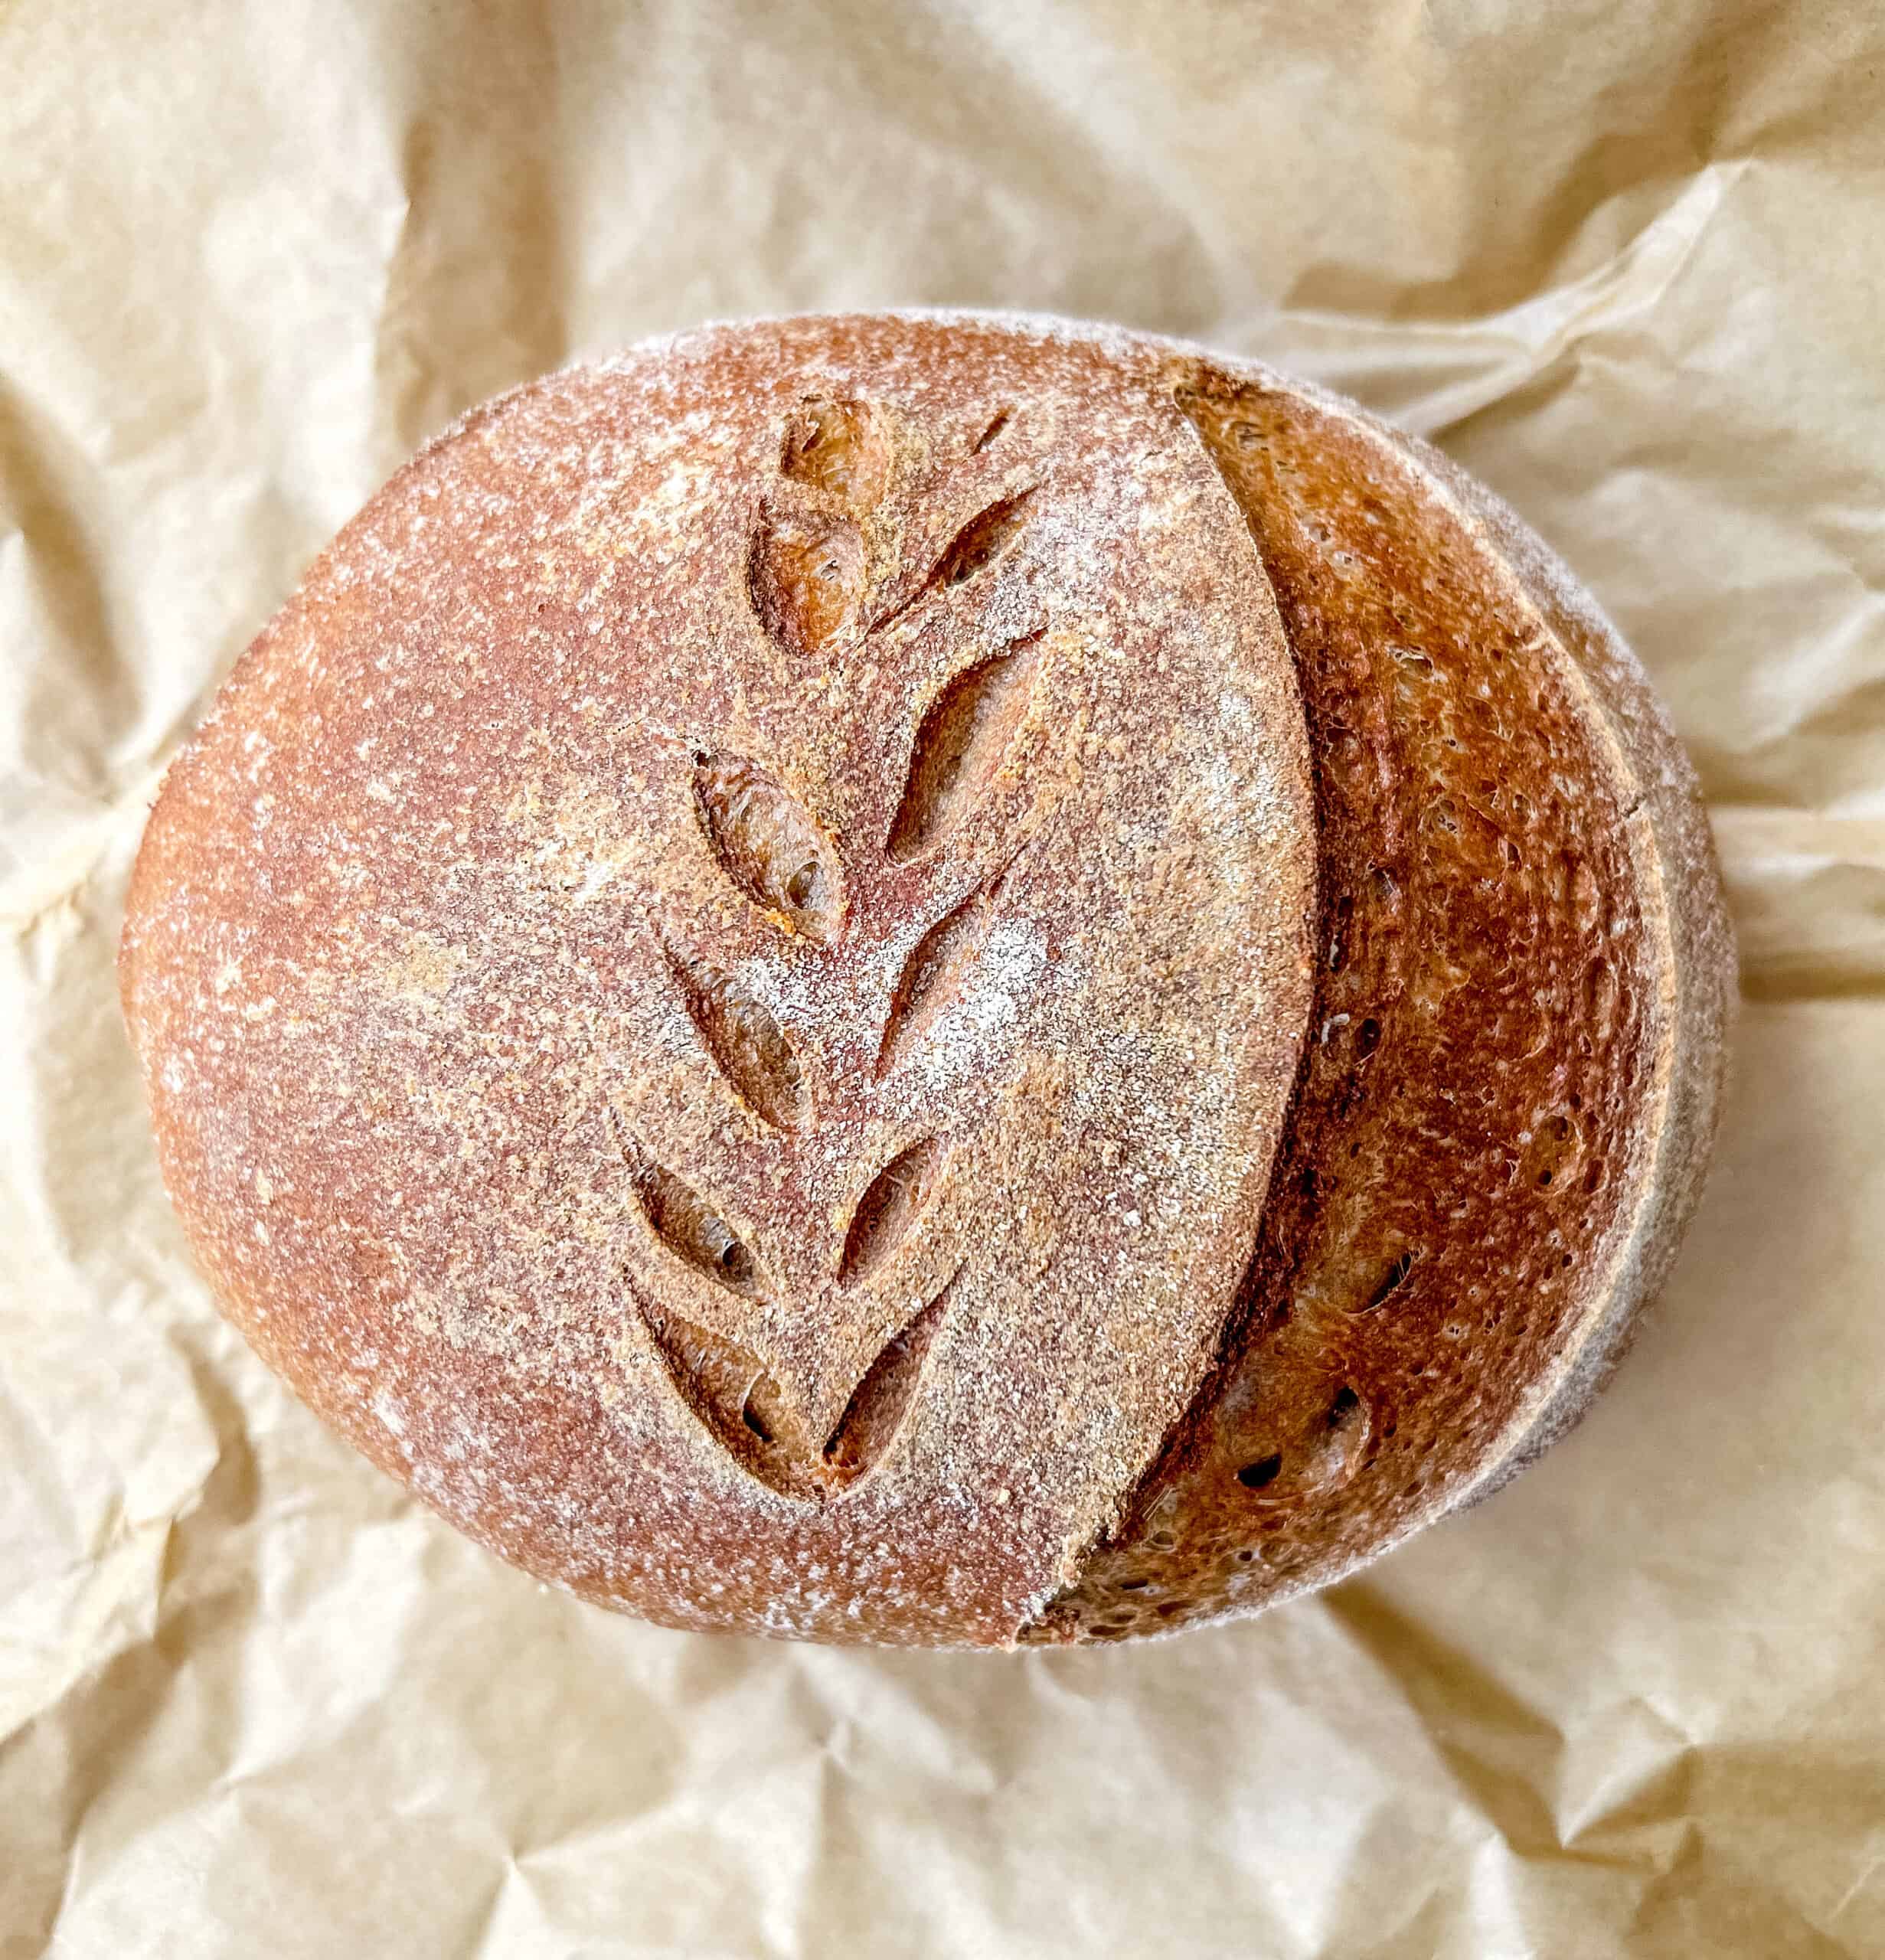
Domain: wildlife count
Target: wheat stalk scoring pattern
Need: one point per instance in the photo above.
(808, 582)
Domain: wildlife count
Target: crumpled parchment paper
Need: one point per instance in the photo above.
(1623, 261)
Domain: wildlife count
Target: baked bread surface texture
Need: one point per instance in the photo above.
(937, 980)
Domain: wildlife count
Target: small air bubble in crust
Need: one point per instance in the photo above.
(1264, 1472)
(1389, 1282)
(1555, 1152)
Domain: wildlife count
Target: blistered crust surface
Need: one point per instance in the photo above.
(719, 989)
(1492, 1145)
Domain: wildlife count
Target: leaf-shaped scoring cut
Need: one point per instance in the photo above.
(891, 1205)
(882, 1401)
(693, 1230)
(984, 538)
(933, 974)
(767, 844)
(748, 1046)
(806, 578)
(834, 447)
(737, 1401)
(959, 746)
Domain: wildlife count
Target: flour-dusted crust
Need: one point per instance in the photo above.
(939, 980)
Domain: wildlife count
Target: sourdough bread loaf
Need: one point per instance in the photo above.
(936, 980)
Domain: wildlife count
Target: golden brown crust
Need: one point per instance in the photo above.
(722, 987)
(1500, 800)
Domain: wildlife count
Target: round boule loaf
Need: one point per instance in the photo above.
(945, 980)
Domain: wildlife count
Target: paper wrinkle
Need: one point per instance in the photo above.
(1510, 351)
(1840, 690)
(62, 851)
(252, 1698)
(1809, 895)
(1515, 1748)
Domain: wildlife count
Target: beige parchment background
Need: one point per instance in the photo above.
(1621, 258)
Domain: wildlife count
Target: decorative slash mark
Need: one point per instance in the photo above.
(767, 844)
(959, 746)
(981, 540)
(986, 537)
(833, 446)
(882, 1400)
(734, 1397)
(889, 1208)
(806, 580)
(935, 972)
(742, 1405)
(693, 1231)
(747, 1045)
(817, 569)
